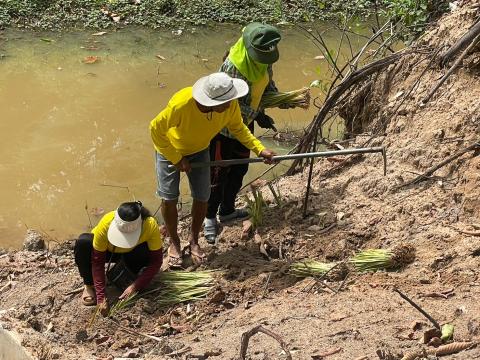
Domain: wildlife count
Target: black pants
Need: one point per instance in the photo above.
(226, 181)
(135, 259)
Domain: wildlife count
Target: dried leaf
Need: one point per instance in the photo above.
(91, 59)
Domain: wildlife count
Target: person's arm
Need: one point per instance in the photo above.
(158, 131)
(155, 260)
(155, 254)
(98, 272)
(241, 131)
(99, 254)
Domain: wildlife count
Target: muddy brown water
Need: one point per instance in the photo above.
(75, 136)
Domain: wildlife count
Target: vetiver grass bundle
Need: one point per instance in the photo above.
(181, 286)
(299, 98)
(380, 259)
(336, 271)
(310, 268)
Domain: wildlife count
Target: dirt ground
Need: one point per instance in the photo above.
(352, 206)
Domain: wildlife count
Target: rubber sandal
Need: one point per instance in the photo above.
(88, 299)
(196, 258)
(210, 228)
(175, 262)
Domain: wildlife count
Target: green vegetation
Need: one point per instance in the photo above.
(98, 14)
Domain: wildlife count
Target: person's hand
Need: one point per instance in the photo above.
(183, 165)
(129, 291)
(287, 106)
(104, 308)
(268, 155)
(265, 121)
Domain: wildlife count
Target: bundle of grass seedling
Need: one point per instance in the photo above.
(381, 259)
(310, 268)
(182, 286)
(313, 268)
(297, 98)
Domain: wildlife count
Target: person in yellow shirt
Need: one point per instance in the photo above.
(129, 234)
(181, 134)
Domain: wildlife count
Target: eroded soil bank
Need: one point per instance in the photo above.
(353, 207)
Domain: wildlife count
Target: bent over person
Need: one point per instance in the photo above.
(181, 134)
(129, 235)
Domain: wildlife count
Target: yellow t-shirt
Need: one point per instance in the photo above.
(182, 129)
(150, 234)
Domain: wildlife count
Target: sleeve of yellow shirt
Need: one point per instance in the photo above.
(154, 241)
(100, 232)
(241, 131)
(158, 131)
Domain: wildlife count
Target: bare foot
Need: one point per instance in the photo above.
(198, 255)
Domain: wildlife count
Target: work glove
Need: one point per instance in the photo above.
(265, 121)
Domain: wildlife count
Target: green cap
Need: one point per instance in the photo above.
(261, 42)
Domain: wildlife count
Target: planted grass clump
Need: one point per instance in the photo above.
(380, 259)
(294, 98)
(255, 207)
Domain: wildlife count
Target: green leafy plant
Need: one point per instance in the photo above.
(255, 207)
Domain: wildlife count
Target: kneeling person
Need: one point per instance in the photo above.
(129, 234)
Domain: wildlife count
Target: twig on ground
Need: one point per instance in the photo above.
(423, 312)
(74, 291)
(432, 169)
(340, 288)
(133, 332)
(259, 328)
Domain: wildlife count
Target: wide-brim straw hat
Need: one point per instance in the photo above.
(218, 88)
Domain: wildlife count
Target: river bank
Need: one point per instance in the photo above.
(353, 206)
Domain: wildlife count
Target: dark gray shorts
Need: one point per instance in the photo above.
(168, 181)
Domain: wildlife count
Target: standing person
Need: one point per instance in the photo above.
(129, 234)
(250, 59)
(181, 134)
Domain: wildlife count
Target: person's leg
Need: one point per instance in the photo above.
(83, 258)
(216, 187)
(168, 182)
(170, 217)
(234, 182)
(220, 149)
(138, 258)
(199, 179)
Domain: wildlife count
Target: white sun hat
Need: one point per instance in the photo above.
(124, 234)
(218, 88)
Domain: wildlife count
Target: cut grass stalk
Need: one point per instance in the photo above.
(297, 98)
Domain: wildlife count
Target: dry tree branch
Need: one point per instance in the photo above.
(259, 328)
(427, 174)
(461, 43)
(454, 67)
